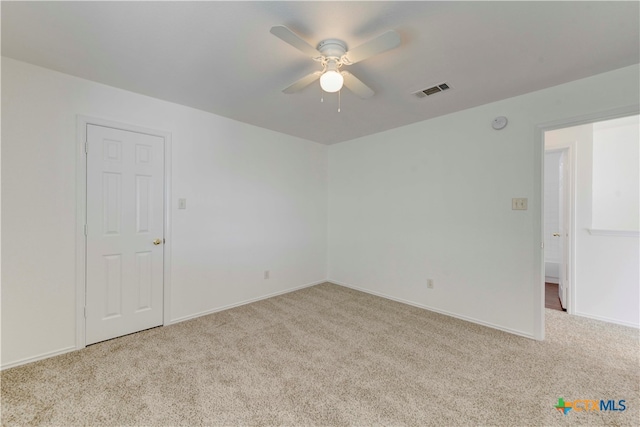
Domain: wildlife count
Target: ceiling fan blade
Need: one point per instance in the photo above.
(303, 82)
(356, 86)
(383, 42)
(288, 36)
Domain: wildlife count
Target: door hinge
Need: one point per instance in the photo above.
(86, 147)
(85, 312)
(85, 230)
(542, 245)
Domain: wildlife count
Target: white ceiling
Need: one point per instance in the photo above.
(220, 57)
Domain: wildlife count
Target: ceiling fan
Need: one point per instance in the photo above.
(332, 54)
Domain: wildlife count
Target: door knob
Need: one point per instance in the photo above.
(157, 241)
(554, 235)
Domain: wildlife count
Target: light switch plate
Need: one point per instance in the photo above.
(182, 203)
(519, 204)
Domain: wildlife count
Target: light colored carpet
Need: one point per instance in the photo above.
(328, 355)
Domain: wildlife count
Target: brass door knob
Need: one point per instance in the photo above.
(157, 241)
(556, 234)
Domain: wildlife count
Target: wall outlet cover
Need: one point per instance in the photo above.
(519, 204)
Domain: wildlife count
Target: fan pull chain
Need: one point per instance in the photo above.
(321, 94)
(339, 100)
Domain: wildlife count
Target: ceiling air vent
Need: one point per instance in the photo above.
(433, 90)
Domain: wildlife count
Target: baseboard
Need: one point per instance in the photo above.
(39, 357)
(607, 319)
(238, 304)
(554, 280)
(435, 310)
(178, 320)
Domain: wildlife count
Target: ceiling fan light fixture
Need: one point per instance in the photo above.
(331, 81)
(333, 54)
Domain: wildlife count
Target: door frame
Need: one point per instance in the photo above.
(570, 148)
(538, 201)
(82, 122)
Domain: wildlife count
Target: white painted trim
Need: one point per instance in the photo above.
(435, 310)
(538, 220)
(238, 304)
(81, 215)
(552, 280)
(615, 113)
(38, 357)
(81, 220)
(166, 323)
(608, 320)
(168, 241)
(538, 235)
(572, 152)
(615, 233)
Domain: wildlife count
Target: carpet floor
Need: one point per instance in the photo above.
(328, 355)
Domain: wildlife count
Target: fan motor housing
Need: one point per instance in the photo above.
(332, 48)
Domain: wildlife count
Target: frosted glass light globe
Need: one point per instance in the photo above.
(331, 81)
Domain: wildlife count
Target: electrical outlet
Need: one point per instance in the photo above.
(266, 274)
(519, 204)
(430, 283)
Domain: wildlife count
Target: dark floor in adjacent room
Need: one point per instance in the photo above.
(551, 298)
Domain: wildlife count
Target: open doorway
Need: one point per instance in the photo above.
(557, 226)
(591, 218)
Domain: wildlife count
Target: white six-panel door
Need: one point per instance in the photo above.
(125, 217)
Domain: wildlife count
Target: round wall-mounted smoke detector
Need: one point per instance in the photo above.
(499, 123)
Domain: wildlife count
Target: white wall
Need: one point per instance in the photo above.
(607, 267)
(433, 200)
(616, 175)
(256, 200)
(429, 200)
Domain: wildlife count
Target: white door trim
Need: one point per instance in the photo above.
(538, 200)
(81, 201)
